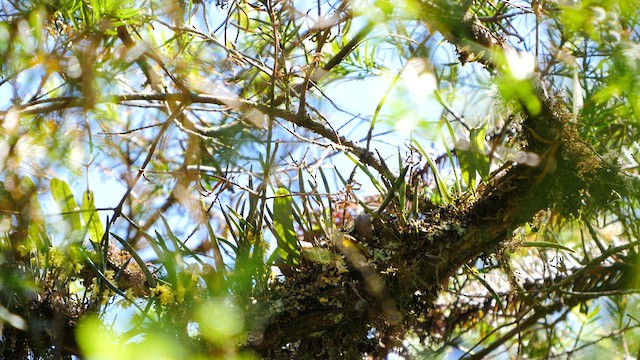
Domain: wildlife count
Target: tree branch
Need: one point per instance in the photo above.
(569, 175)
(245, 106)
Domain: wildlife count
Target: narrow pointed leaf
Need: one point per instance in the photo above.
(91, 217)
(66, 203)
(473, 160)
(283, 225)
(484, 283)
(36, 230)
(442, 187)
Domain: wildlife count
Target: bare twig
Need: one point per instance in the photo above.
(118, 209)
(303, 120)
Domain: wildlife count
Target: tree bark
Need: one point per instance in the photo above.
(569, 176)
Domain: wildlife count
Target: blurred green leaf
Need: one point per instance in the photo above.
(221, 322)
(472, 157)
(521, 92)
(37, 231)
(369, 174)
(318, 255)
(91, 217)
(166, 258)
(284, 230)
(444, 193)
(63, 196)
(97, 342)
(494, 294)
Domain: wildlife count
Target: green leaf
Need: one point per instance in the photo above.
(102, 277)
(442, 187)
(97, 342)
(166, 259)
(520, 91)
(494, 294)
(35, 211)
(179, 246)
(36, 230)
(369, 174)
(283, 226)
(318, 255)
(66, 203)
(472, 157)
(91, 217)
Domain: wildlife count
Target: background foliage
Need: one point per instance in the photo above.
(350, 178)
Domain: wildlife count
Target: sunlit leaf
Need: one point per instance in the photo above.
(484, 283)
(97, 342)
(37, 231)
(318, 255)
(91, 217)
(221, 322)
(443, 191)
(284, 230)
(67, 204)
(472, 157)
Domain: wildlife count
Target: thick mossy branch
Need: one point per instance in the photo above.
(411, 262)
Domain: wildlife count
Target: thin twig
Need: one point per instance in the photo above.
(303, 120)
(118, 209)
